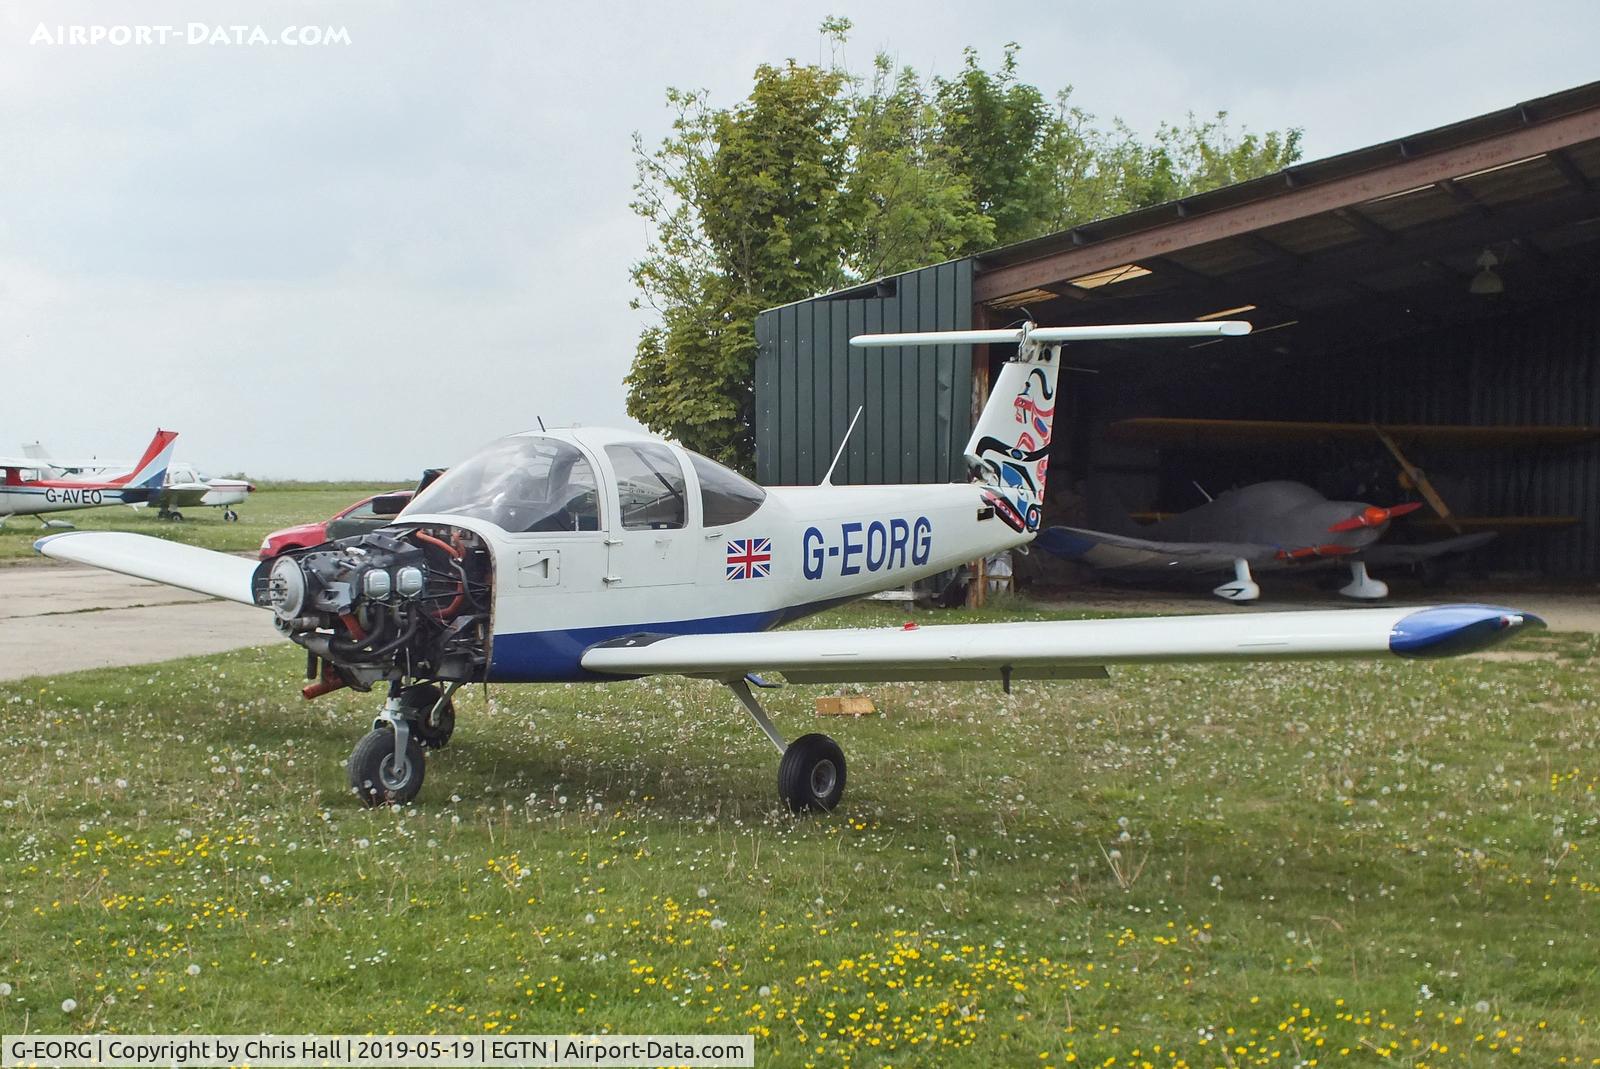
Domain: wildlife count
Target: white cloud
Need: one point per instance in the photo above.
(361, 259)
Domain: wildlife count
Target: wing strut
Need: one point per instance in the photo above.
(741, 689)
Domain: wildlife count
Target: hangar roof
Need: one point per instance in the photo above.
(1397, 228)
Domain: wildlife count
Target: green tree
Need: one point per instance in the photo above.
(909, 199)
(994, 126)
(745, 210)
(821, 178)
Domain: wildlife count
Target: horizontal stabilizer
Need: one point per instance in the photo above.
(1057, 335)
(205, 571)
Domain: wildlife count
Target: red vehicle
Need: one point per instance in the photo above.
(357, 519)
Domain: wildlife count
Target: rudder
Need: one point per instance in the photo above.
(1010, 445)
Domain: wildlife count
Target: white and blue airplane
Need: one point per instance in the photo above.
(593, 555)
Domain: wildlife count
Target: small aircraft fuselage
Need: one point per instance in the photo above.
(590, 535)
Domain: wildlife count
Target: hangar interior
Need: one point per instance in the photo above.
(1450, 279)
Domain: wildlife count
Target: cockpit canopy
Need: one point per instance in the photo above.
(537, 484)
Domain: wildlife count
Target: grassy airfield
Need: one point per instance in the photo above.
(272, 506)
(1192, 866)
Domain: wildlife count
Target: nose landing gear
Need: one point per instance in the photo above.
(386, 767)
(388, 764)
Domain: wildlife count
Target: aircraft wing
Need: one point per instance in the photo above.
(1122, 552)
(183, 495)
(205, 571)
(1058, 649)
(1387, 553)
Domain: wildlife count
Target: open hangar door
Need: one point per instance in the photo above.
(1436, 300)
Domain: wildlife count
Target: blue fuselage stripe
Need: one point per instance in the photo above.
(557, 656)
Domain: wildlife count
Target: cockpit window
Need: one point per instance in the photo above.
(650, 485)
(523, 484)
(725, 495)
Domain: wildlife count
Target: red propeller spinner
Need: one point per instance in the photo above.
(1372, 516)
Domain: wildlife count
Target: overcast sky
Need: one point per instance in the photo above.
(361, 259)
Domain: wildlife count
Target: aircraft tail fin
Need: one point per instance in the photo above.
(1010, 445)
(151, 471)
(37, 451)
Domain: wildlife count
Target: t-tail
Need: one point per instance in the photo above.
(1009, 451)
(151, 471)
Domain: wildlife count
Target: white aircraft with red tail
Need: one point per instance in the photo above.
(592, 555)
(27, 488)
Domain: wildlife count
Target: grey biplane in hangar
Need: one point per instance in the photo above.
(1262, 527)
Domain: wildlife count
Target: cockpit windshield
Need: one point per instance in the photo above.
(520, 484)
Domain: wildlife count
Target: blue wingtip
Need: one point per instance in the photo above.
(1448, 630)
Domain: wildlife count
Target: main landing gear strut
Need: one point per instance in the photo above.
(811, 773)
(387, 765)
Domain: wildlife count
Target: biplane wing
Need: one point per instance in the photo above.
(1391, 553)
(1113, 552)
(1178, 431)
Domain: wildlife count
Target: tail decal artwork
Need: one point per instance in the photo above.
(1009, 451)
(151, 471)
(1010, 446)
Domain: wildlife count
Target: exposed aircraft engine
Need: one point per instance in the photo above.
(390, 605)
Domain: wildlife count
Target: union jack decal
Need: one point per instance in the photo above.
(749, 558)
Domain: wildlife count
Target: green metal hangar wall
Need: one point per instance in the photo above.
(1364, 275)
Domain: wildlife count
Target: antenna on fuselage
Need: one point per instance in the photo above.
(827, 480)
(541, 424)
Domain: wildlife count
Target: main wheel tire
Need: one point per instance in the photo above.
(811, 774)
(175, 517)
(229, 516)
(372, 773)
(433, 734)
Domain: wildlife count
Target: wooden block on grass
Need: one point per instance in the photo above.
(846, 705)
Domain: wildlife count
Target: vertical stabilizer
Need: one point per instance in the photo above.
(1010, 446)
(38, 452)
(151, 472)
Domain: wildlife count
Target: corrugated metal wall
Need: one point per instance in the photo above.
(1528, 366)
(1540, 366)
(809, 383)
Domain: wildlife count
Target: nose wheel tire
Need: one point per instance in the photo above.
(811, 774)
(373, 772)
(230, 516)
(433, 730)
